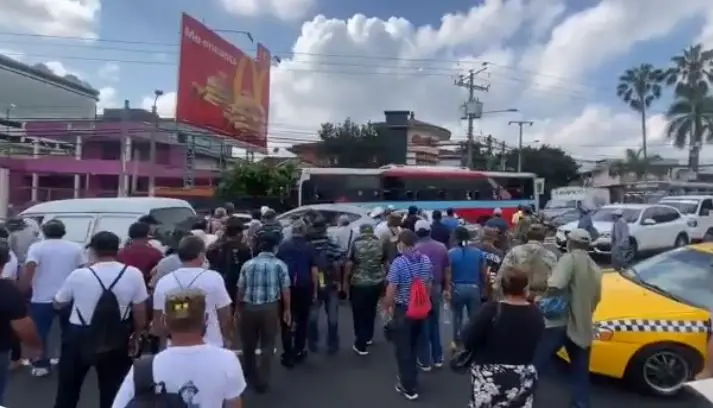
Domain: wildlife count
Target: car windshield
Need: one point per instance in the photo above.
(684, 273)
(607, 214)
(685, 207)
(561, 204)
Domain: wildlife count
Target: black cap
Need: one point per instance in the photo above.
(148, 219)
(104, 241)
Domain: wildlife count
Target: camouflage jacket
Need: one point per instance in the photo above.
(534, 257)
(368, 255)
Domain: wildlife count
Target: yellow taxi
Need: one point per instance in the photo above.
(653, 322)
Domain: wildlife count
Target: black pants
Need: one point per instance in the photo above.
(405, 334)
(111, 368)
(294, 338)
(364, 300)
(16, 348)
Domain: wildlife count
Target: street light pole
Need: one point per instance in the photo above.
(520, 124)
(152, 150)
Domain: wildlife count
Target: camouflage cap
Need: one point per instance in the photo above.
(366, 229)
(185, 305)
(538, 228)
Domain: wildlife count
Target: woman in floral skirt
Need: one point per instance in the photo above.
(501, 339)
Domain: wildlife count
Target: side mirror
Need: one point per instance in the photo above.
(648, 221)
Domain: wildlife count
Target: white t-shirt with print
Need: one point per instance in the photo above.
(9, 270)
(82, 287)
(206, 280)
(203, 375)
(55, 259)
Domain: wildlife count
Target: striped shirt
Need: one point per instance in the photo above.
(262, 279)
(405, 269)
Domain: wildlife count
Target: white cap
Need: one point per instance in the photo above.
(618, 211)
(377, 211)
(422, 225)
(264, 209)
(498, 211)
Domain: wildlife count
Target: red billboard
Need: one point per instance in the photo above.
(220, 88)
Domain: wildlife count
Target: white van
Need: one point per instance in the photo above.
(83, 217)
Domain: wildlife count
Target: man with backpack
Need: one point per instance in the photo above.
(108, 311)
(228, 255)
(190, 373)
(407, 301)
(194, 275)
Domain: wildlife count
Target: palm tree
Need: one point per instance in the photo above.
(690, 115)
(639, 87)
(634, 163)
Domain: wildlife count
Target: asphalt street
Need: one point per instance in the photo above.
(349, 381)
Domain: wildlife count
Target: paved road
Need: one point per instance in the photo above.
(349, 381)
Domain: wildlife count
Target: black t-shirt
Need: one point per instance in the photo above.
(12, 307)
(228, 257)
(505, 334)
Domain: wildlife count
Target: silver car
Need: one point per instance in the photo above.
(330, 212)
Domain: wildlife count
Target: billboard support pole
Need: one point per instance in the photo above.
(124, 157)
(154, 134)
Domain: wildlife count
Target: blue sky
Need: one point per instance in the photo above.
(556, 61)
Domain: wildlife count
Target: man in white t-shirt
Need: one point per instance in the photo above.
(191, 251)
(49, 262)
(84, 288)
(199, 374)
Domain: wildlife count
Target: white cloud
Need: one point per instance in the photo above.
(107, 99)
(282, 9)
(51, 17)
(402, 66)
(109, 72)
(59, 69)
(165, 105)
(16, 55)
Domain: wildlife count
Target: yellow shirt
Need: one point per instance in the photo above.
(516, 217)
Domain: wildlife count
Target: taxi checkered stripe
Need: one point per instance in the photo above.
(656, 325)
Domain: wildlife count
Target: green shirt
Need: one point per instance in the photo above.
(580, 277)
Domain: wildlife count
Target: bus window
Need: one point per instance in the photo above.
(328, 188)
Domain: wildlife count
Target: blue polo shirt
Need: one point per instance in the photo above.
(467, 263)
(299, 256)
(404, 270)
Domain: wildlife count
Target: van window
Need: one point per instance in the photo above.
(78, 227)
(172, 216)
(119, 225)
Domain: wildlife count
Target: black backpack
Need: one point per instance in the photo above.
(148, 394)
(107, 330)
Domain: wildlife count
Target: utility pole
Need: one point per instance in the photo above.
(152, 149)
(502, 156)
(520, 124)
(473, 107)
(123, 179)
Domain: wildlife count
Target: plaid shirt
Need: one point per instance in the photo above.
(262, 279)
(405, 269)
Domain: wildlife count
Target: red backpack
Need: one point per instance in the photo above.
(419, 304)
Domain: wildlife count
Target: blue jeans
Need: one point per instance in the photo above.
(552, 340)
(4, 372)
(463, 296)
(43, 315)
(430, 348)
(329, 299)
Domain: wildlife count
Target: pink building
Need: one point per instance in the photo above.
(51, 160)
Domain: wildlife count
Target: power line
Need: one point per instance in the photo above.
(561, 79)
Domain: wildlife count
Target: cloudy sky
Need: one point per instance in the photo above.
(556, 61)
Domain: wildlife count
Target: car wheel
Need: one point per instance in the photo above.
(634, 249)
(681, 240)
(663, 369)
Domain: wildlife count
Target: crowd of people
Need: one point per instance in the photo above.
(142, 316)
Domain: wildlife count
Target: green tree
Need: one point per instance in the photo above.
(549, 162)
(257, 179)
(691, 114)
(349, 144)
(635, 163)
(639, 87)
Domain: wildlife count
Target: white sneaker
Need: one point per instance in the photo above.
(40, 372)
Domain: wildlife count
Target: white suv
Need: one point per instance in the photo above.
(653, 227)
(698, 209)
